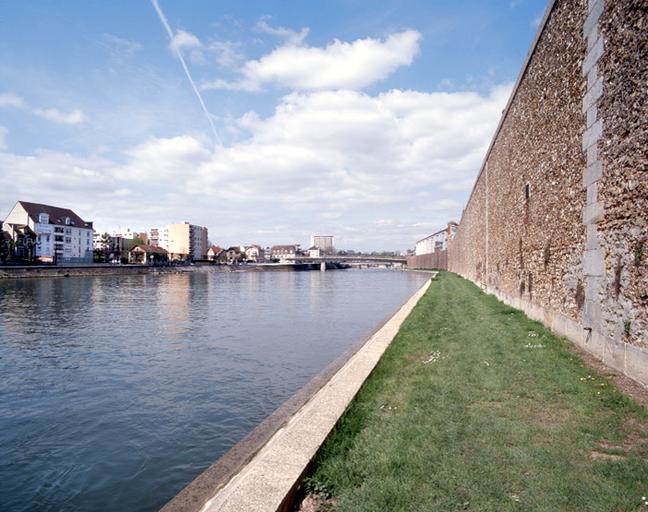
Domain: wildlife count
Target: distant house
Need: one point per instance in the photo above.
(213, 252)
(49, 234)
(146, 254)
(284, 253)
(231, 256)
(314, 252)
(254, 253)
(109, 248)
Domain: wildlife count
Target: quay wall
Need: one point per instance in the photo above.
(38, 271)
(434, 261)
(557, 221)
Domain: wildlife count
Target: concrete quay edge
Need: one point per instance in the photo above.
(263, 471)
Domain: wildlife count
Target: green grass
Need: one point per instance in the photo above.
(506, 418)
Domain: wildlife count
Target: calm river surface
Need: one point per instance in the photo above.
(115, 392)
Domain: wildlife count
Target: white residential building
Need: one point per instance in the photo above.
(436, 241)
(57, 235)
(254, 253)
(284, 253)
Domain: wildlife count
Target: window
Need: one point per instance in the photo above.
(67, 221)
(43, 218)
(68, 239)
(527, 191)
(68, 231)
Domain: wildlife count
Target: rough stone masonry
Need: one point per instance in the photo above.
(557, 222)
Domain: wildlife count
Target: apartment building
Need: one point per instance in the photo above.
(49, 234)
(186, 241)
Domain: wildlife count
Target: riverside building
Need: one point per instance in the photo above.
(49, 234)
(185, 241)
(436, 241)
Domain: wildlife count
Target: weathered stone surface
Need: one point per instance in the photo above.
(576, 131)
(535, 246)
(623, 187)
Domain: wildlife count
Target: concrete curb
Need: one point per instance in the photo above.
(263, 471)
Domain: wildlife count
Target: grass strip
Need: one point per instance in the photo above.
(476, 407)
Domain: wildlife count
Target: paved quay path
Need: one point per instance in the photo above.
(475, 407)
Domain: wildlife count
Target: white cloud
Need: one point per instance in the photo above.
(119, 46)
(10, 100)
(52, 114)
(3, 138)
(378, 171)
(291, 37)
(182, 39)
(227, 53)
(339, 65)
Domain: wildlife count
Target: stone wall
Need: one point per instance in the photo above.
(557, 221)
(433, 261)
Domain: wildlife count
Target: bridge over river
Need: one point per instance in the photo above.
(355, 260)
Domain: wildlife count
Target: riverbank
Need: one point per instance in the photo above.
(99, 269)
(476, 407)
(44, 271)
(264, 470)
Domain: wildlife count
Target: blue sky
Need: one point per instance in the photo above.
(365, 119)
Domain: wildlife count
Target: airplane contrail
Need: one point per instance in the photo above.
(169, 31)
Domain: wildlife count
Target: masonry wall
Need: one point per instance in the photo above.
(556, 223)
(432, 261)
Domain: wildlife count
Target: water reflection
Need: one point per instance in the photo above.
(117, 391)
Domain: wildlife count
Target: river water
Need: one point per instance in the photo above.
(115, 392)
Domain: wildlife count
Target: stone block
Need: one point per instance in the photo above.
(592, 174)
(592, 76)
(592, 155)
(592, 213)
(592, 288)
(590, 4)
(592, 241)
(591, 115)
(592, 134)
(591, 315)
(592, 192)
(593, 94)
(592, 37)
(636, 364)
(595, 10)
(593, 263)
(593, 55)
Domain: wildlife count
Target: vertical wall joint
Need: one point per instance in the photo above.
(593, 257)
